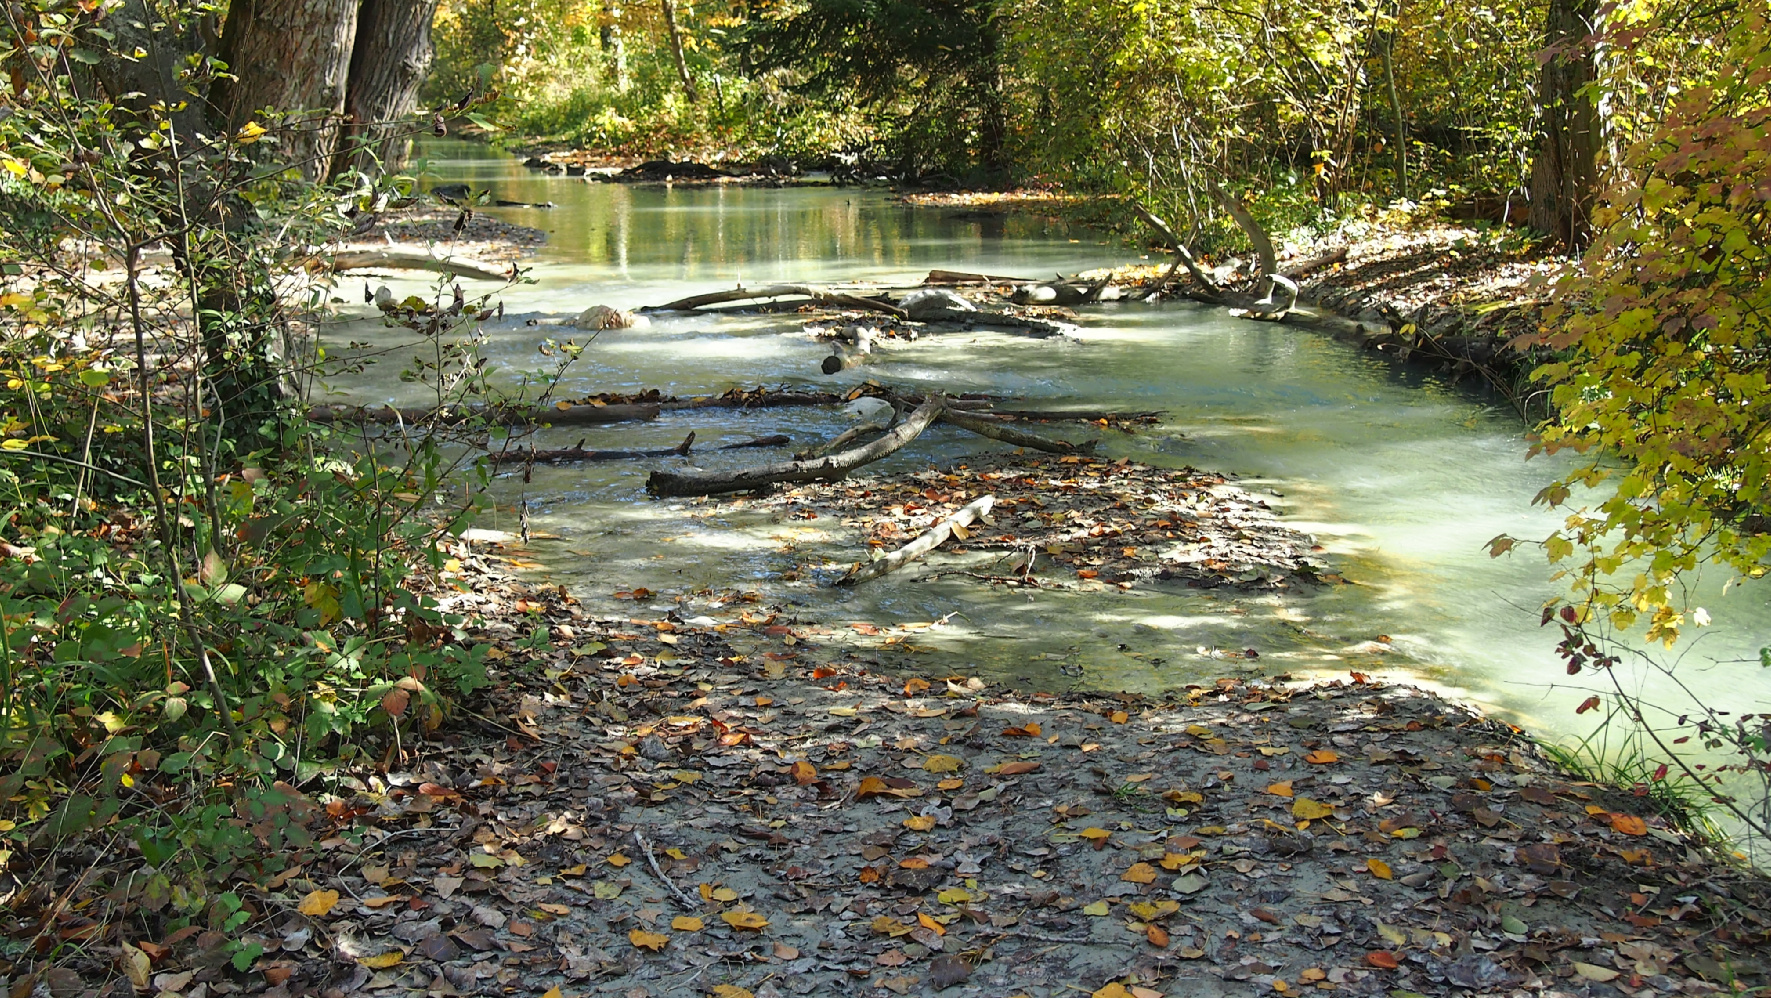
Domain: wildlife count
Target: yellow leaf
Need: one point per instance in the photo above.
(553, 992)
(1199, 731)
(942, 764)
(954, 895)
(1175, 860)
(1280, 789)
(1308, 809)
(1378, 868)
(317, 903)
(1322, 757)
(1097, 909)
(1094, 834)
(1119, 717)
(619, 861)
(385, 960)
(723, 894)
(136, 965)
(1114, 990)
(920, 823)
(745, 920)
(1140, 873)
(730, 991)
(1595, 973)
(686, 923)
(653, 941)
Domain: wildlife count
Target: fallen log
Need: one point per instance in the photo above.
(411, 259)
(571, 415)
(1075, 415)
(984, 426)
(666, 484)
(1304, 268)
(579, 453)
(818, 295)
(938, 278)
(931, 539)
(838, 442)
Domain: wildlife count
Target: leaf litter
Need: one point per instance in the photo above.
(639, 809)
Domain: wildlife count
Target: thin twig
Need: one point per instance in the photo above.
(658, 871)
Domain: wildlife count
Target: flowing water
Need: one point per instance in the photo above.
(1402, 476)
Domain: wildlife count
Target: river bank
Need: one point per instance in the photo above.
(732, 804)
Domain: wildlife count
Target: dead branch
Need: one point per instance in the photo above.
(838, 442)
(579, 453)
(933, 538)
(1183, 254)
(818, 295)
(1263, 244)
(570, 415)
(985, 426)
(668, 484)
(938, 278)
(409, 259)
(1304, 268)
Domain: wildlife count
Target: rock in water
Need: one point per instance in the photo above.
(600, 317)
(925, 304)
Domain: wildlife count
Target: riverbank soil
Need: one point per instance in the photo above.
(657, 807)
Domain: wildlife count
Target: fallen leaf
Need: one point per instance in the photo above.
(942, 764)
(1628, 824)
(1140, 873)
(1017, 768)
(1029, 730)
(1157, 935)
(136, 966)
(923, 919)
(920, 823)
(618, 861)
(1595, 973)
(1119, 717)
(686, 923)
(1380, 958)
(553, 992)
(1114, 990)
(1309, 810)
(948, 970)
(745, 920)
(1097, 908)
(1379, 869)
(804, 773)
(730, 991)
(1280, 789)
(653, 941)
(722, 894)
(384, 960)
(317, 903)
(1322, 757)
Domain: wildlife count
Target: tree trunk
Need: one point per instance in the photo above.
(391, 56)
(1563, 176)
(676, 50)
(614, 45)
(292, 56)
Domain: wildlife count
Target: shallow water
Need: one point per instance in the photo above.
(1401, 476)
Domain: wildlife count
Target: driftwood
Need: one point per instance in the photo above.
(938, 278)
(1303, 268)
(818, 295)
(932, 538)
(838, 442)
(1074, 415)
(850, 348)
(984, 426)
(571, 415)
(667, 484)
(579, 453)
(411, 259)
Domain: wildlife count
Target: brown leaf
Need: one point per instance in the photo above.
(1157, 935)
(947, 971)
(1381, 958)
(1628, 824)
(1017, 768)
(1379, 869)
(1322, 757)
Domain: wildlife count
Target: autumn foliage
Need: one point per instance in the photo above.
(1666, 343)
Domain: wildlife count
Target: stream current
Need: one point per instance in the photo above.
(1403, 477)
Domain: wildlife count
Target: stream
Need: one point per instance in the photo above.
(1402, 476)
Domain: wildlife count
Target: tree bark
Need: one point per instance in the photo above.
(388, 64)
(614, 45)
(986, 426)
(815, 293)
(293, 57)
(676, 50)
(1564, 173)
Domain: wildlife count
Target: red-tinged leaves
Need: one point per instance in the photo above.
(1018, 768)
(1588, 704)
(1382, 959)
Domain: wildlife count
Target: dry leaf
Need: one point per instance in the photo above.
(1017, 768)
(653, 941)
(1378, 868)
(136, 965)
(1595, 973)
(804, 773)
(1140, 873)
(686, 923)
(942, 764)
(920, 823)
(1308, 809)
(730, 991)
(1114, 990)
(1157, 935)
(745, 920)
(317, 903)
(553, 992)
(1629, 824)
(383, 961)
(1119, 717)
(1280, 789)
(1380, 958)
(618, 861)
(1322, 757)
